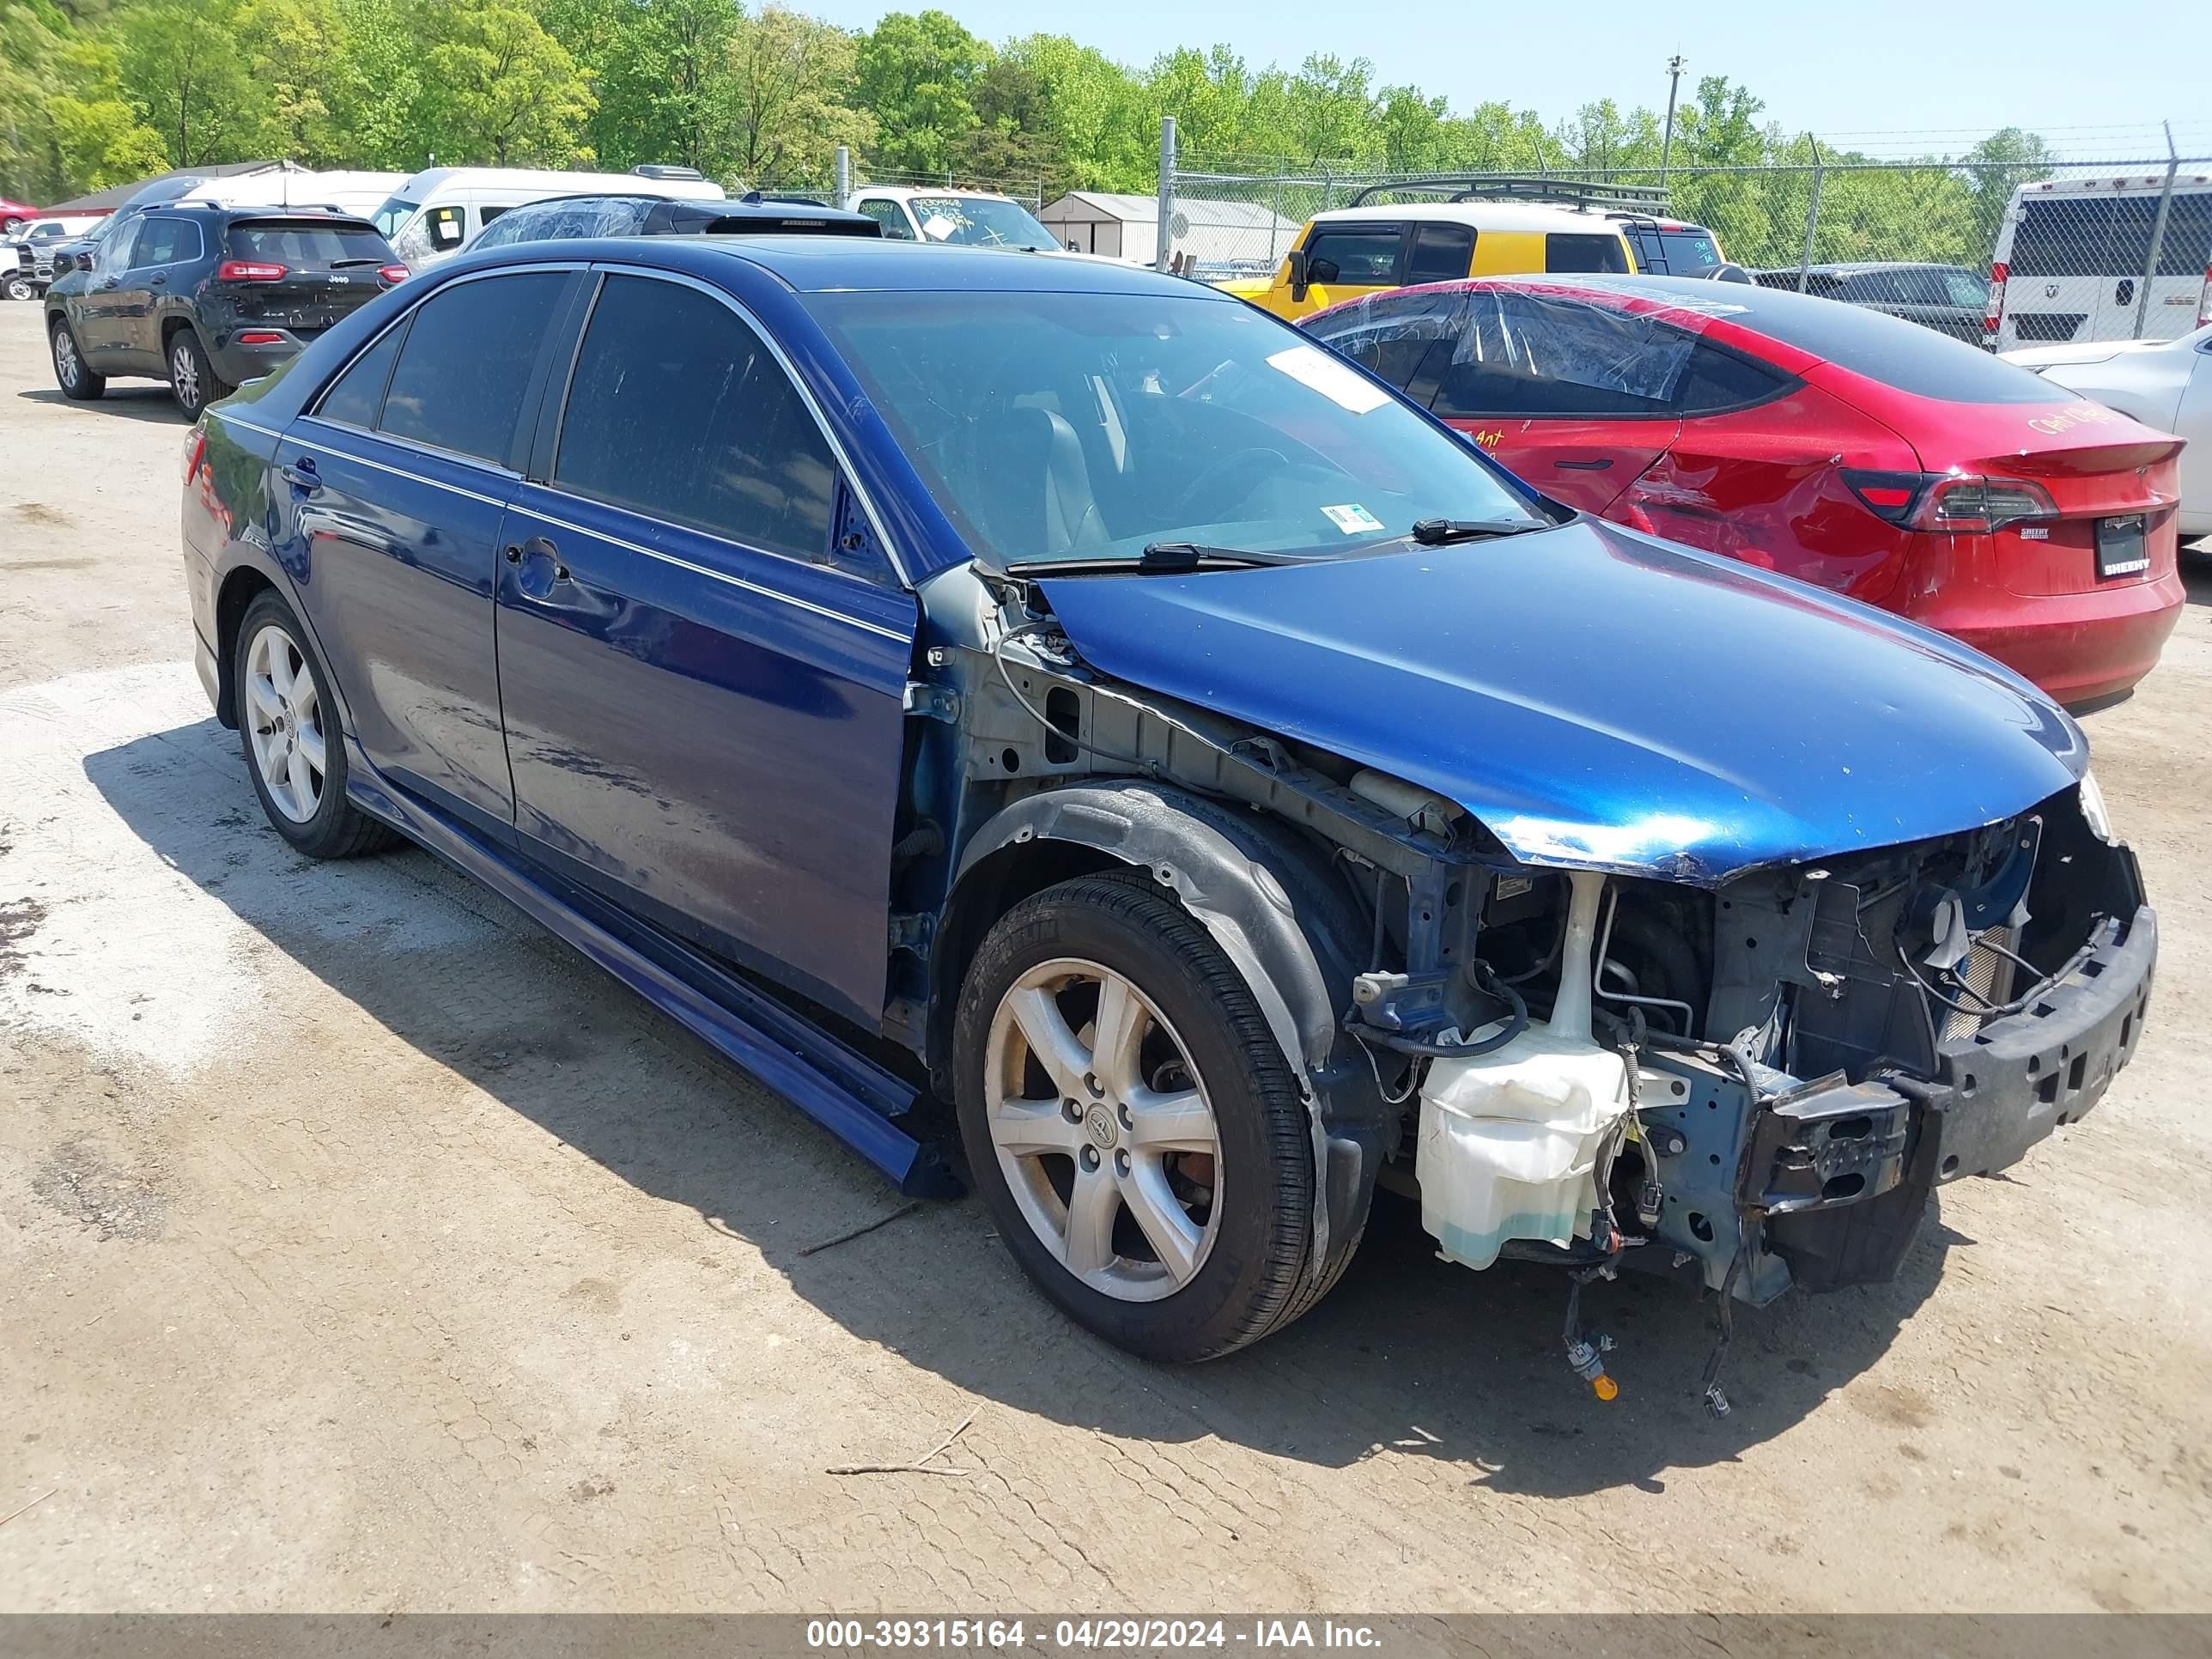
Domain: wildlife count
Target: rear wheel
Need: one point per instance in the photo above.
(70, 373)
(1133, 1124)
(289, 729)
(193, 378)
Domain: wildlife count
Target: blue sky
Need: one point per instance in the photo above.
(2075, 69)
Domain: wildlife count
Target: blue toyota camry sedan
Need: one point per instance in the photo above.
(1069, 732)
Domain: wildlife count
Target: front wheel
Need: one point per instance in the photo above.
(70, 373)
(19, 288)
(192, 379)
(1132, 1122)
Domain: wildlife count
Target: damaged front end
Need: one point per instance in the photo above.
(1571, 1051)
(1763, 1080)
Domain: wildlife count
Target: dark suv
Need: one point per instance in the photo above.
(208, 298)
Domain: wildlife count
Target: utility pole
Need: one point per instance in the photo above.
(1667, 144)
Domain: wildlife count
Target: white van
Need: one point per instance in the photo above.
(429, 217)
(2072, 254)
(361, 193)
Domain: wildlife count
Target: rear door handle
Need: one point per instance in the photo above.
(301, 475)
(1584, 466)
(156, 281)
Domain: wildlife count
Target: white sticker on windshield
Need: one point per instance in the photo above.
(938, 227)
(1353, 518)
(1341, 385)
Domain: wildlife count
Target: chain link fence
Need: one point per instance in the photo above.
(2088, 250)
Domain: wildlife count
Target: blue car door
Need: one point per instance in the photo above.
(396, 481)
(702, 660)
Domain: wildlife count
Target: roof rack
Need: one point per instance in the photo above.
(1521, 187)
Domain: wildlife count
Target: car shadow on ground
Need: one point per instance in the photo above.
(1408, 1357)
(150, 401)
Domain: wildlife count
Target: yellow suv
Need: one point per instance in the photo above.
(1520, 226)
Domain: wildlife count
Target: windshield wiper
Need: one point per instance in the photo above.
(340, 265)
(1438, 533)
(1158, 559)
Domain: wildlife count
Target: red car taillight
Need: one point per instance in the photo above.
(2205, 303)
(261, 336)
(1954, 503)
(248, 271)
(195, 453)
(1994, 313)
(1962, 504)
(393, 273)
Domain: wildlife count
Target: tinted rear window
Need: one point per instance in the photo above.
(1574, 251)
(305, 244)
(1884, 347)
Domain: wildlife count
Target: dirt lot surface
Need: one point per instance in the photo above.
(364, 1249)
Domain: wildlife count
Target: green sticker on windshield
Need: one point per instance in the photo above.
(1353, 518)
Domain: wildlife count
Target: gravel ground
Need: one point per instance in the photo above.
(364, 1249)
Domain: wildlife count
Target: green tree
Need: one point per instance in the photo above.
(917, 76)
(497, 88)
(665, 88)
(185, 73)
(792, 81)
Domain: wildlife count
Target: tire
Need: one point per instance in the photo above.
(1201, 1035)
(192, 379)
(306, 802)
(10, 227)
(77, 381)
(19, 288)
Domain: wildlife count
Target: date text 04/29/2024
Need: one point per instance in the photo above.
(1085, 1635)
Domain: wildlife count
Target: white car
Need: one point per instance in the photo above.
(969, 218)
(2165, 384)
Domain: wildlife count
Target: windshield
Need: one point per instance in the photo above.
(394, 213)
(978, 222)
(1089, 426)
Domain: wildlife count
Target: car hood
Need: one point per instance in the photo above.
(1598, 698)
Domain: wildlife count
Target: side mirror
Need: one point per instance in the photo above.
(1298, 264)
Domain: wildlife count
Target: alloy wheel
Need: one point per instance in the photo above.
(66, 365)
(1103, 1129)
(184, 376)
(285, 722)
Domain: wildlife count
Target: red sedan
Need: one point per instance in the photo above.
(14, 216)
(1829, 442)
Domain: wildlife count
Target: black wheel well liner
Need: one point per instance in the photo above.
(240, 589)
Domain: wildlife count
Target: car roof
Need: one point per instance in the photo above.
(770, 208)
(819, 265)
(1859, 267)
(234, 212)
(1483, 215)
(935, 192)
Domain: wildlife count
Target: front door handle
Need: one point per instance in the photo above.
(538, 547)
(1585, 466)
(301, 475)
(156, 281)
